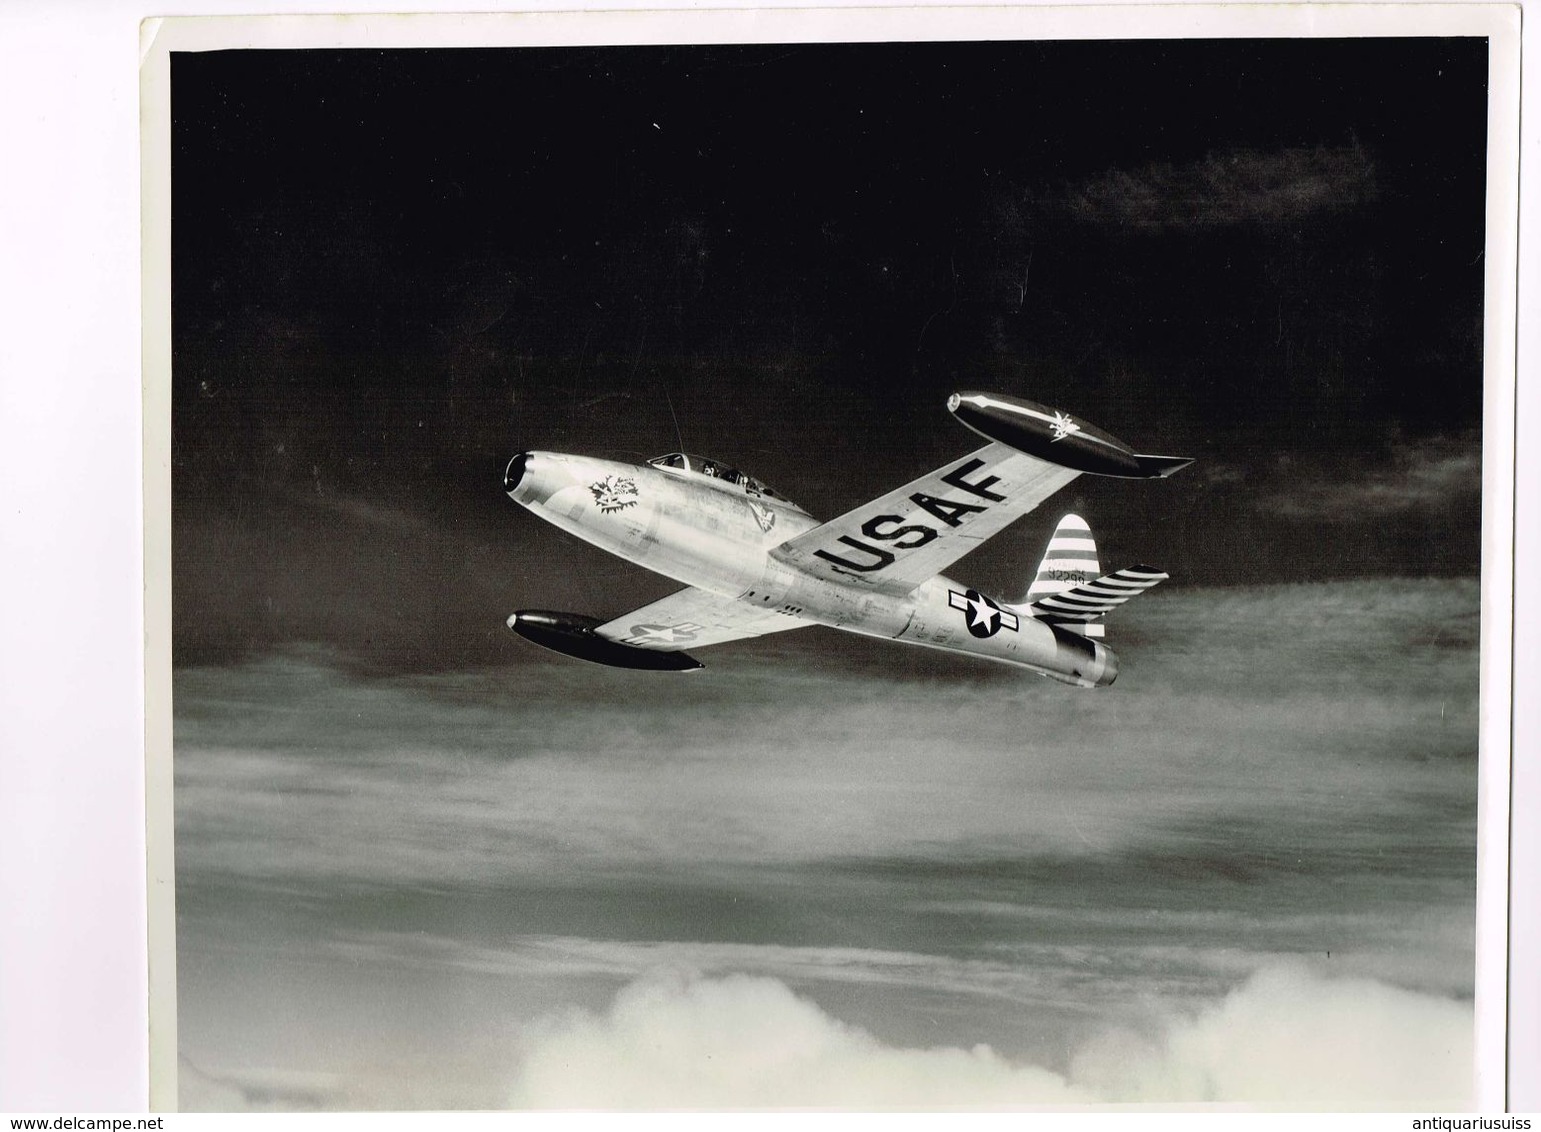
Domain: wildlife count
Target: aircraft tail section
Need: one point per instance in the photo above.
(1070, 589)
(1070, 561)
(1087, 604)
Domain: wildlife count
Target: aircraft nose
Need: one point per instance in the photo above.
(515, 471)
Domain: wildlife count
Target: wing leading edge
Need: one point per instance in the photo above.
(913, 533)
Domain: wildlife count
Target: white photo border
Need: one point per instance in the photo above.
(160, 37)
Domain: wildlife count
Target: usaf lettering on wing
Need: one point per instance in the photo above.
(902, 532)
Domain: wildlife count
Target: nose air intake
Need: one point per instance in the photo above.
(515, 471)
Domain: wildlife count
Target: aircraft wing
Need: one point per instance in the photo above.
(898, 541)
(694, 618)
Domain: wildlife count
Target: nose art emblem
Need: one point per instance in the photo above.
(615, 493)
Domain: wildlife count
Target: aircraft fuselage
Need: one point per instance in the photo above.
(718, 536)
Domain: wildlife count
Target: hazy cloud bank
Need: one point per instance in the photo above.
(1424, 477)
(1285, 1039)
(392, 881)
(1346, 712)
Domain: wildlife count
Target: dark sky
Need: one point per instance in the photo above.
(392, 270)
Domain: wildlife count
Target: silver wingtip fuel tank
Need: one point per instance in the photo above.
(1056, 436)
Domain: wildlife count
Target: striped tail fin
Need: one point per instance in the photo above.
(1070, 561)
(1090, 602)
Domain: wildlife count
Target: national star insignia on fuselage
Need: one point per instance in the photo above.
(983, 615)
(877, 570)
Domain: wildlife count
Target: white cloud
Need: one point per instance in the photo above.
(745, 1042)
(1293, 1040)
(1285, 1039)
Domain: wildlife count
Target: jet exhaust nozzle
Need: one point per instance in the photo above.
(1085, 663)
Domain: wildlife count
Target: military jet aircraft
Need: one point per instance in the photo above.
(753, 562)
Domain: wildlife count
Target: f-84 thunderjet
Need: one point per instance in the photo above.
(753, 562)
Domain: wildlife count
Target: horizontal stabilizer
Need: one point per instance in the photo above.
(1162, 466)
(1091, 600)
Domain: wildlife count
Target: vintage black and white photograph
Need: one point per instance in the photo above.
(839, 575)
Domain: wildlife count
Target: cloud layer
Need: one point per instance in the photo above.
(1424, 479)
(1285, 1039)
(1238, 186)
(386, 883)
(293, 770)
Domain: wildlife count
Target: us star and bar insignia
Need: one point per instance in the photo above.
(983, 617)
(663, 634)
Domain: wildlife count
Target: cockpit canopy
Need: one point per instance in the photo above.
(717, 470)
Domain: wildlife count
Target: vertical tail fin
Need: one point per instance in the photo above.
(1070, 561)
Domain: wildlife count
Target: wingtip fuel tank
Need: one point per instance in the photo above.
(573, 634)
(1057, 437)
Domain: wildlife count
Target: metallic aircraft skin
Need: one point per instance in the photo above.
(689, 528)
(719, 538)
